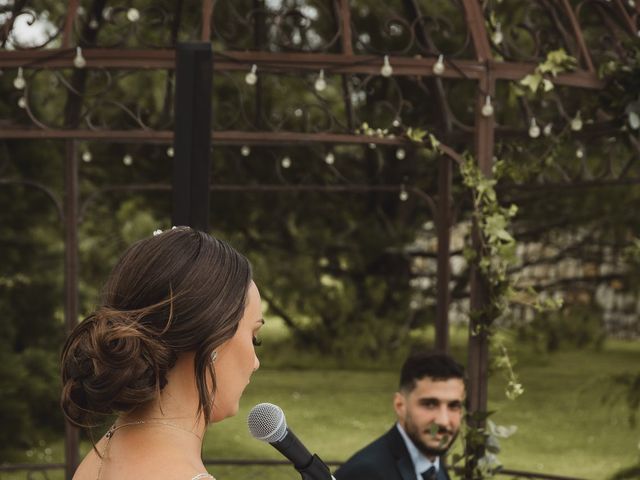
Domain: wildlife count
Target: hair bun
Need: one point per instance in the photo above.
(112, 363)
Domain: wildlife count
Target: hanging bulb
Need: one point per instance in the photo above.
(580, 152)
(170, 152)
(404, 195)
(438, 67)
(372, 146)
(286, 162)
(22, 102)
(19, 82)
(251, 78)
(548, 128)
(487, 108)
(386, 69)
(93, 24)
(396, 122)
(320, 83)
(534, 129)
(245, 150)
(133, 15)
(576, 123)
(127, 160)
(330, 158)
(400, 154)
(86, 156)
(79, 61)
(497, 36)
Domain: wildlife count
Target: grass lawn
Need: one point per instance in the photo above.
(563, 426)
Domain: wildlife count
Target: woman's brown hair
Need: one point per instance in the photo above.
(179, 291)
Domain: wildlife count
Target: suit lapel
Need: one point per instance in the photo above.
(399, 451)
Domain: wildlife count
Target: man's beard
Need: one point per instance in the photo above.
(413, 432)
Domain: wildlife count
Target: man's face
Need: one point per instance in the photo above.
(431, 414)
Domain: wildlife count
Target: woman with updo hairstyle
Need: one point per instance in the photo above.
(169, 350)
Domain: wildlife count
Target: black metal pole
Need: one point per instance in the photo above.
(72, 436)
(192, 139)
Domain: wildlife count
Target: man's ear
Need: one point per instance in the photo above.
(400, 405)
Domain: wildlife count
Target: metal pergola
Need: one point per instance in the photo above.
(80, 25)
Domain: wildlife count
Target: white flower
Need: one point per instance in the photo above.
(157, 232)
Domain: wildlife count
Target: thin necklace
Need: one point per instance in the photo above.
(114, 428)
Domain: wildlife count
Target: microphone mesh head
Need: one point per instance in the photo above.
(267, 423)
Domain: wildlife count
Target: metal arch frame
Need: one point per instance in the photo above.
(484, 70)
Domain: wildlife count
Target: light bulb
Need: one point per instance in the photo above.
(404, 195)
(79, 61)
(251, 78)
(548, 128)
(245, 150)
(19, 82)
(93, 24)
(400, 154)
(127, 160)
(170, 152)
(534, 129)
(396, 122)
(438, 67)
(497, 36)
(487, 108)
(286, 162)
(386, 69)
(329, 158)
(86, 156)
(580, 152)
(133, 15)
(22, 102)
(320, 83)
(372, 146)
(576, 123)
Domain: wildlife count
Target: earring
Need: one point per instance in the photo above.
(214, 355)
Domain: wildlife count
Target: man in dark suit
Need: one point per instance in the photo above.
(429, 408)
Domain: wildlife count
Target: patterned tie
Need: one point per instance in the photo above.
(429, 474)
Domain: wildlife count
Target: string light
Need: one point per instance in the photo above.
(19, 82)
(401, 154)
(251, 78)
(286, 162)
(534, 129)
(396, 122)
(127, 160)
(79, 61)
(438, 67)
(372, 146)
(487, 108)
(497, 36)
(548, 128)
(86, 156)
(320, 83)
(22, 102)
(386, 69)
(404, 195)
(580, 152)
(576, 123)
(170, 152)
(329, 158)
(245, 150)
(93, 24)
(133, 15)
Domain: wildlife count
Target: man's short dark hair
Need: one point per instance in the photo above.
(437, 366)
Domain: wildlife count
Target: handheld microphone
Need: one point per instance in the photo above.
(267, 423)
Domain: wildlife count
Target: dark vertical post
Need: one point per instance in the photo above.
(72, 455)
(192, 139)
(443, 226)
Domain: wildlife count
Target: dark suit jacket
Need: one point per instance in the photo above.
(387, 458)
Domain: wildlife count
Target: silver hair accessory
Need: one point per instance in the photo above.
(214, 355)
(157, 232)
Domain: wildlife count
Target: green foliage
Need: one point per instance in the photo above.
(557, 61)
(571, 327)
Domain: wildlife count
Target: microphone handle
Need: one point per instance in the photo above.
(317, 470)
(293, 449)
